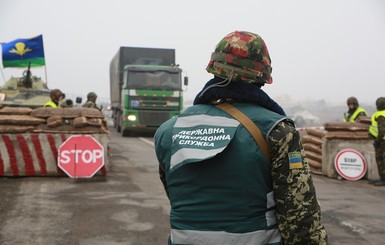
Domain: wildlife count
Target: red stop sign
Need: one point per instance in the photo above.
(81, 156)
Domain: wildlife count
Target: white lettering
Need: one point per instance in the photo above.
(86, 156)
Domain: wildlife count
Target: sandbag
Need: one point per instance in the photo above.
(314, 156)
(346, 126)
(24, 120)
(97, 122)
(80, 122)
(320, 133)
(311, 147)
(314, 163)
(15, 110)
(12, 129)
(358, 135)
(312, 140)
(54, 121)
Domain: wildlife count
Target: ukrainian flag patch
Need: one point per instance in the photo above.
(295, 160)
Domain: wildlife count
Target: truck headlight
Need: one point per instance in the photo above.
(131, 118)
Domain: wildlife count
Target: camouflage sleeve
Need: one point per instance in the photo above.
(381, 128)
(298, 212)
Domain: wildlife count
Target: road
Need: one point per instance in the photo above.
(130, 207)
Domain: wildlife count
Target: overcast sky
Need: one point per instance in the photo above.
(320, 49)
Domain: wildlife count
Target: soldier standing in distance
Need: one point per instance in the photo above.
(355, 111)
(377, 131)
(91, 101)
(222, 186)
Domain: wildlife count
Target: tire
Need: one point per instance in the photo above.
(125, 133)
(119, 123)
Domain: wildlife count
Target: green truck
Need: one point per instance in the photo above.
(146, 88)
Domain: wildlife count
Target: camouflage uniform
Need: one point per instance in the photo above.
(91, 101)
(90, 104)
(377, 131)
(298, 212)
(355, 111)
(380, 150)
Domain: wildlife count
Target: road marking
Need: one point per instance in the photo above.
(147, 141)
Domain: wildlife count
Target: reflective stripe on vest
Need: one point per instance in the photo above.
(225, 238)
(373, 130)
(355, 114)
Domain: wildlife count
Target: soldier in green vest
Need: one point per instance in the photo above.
(237, 178)
(355, 111)
(377, 131)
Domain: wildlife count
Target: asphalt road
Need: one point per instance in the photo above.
(130, 207)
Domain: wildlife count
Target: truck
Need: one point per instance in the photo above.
(146, 88)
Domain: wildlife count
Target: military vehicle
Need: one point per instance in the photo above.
(26, 91)
(146, 88)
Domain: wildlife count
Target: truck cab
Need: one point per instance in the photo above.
(149, 92)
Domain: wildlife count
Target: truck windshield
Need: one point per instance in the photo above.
(153, 80)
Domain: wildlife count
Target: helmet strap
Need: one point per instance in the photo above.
(223, 83)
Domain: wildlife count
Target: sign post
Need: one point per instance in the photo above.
(81, 156)
(350, 164)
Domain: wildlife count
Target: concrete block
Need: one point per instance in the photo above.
(330, 148)
(372, 173)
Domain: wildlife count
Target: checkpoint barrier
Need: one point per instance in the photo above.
(324, 144)
(37, 154)
(30, 139)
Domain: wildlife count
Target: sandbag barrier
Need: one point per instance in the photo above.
(312, 144)
(314, 138)
(30, 138)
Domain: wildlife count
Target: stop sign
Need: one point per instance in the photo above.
(80, 156)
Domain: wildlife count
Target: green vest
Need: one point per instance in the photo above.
(373, 129)
(353, 117)
(50, 104)
(219, 182)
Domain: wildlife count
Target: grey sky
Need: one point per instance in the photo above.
(320, 49)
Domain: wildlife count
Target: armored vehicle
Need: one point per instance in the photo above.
(26, 91)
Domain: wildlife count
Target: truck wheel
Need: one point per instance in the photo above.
(119, 123)
(114, 120)
(125, 133)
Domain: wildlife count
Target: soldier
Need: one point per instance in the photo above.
(355, 111)
(377, 131)
(91, 101)
(229, 186)
(68, 103)
(56, 97)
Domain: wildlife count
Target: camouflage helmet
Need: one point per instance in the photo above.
(243, 56)
(91, 96)
(55, 94)
(380, 104)
(352, 100)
